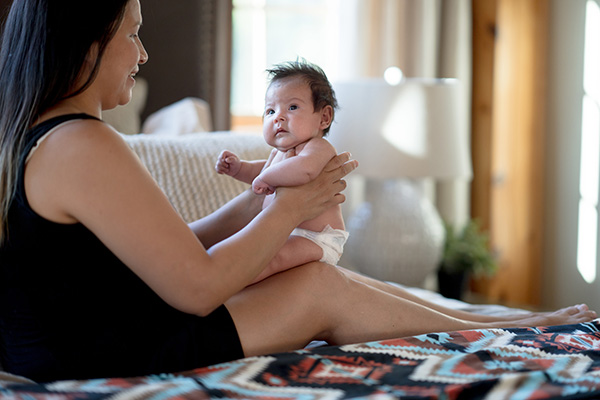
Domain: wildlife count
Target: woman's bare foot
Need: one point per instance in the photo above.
(564, 316)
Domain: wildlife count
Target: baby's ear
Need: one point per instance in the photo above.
(326, 117)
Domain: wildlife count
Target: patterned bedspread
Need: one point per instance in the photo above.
(523, 363)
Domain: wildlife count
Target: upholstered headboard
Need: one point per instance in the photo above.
(183, 166)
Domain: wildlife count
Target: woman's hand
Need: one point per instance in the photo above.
(313, 198)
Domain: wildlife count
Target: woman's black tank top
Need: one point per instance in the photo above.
(69, 308)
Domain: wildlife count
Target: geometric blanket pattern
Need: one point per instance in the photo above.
(520, 363)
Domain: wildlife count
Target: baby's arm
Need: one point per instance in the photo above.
(294, 171)
(230, 164)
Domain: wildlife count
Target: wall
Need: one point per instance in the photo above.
(188, 42)
(561, 281)
(190, 55)
(169, 35)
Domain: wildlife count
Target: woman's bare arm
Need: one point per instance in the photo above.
(229, 219)
(85, 172)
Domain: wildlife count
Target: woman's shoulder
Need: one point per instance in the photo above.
(79, 132)
(87, 143)
(80, 157)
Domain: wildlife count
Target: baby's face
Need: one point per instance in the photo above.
(290, 118)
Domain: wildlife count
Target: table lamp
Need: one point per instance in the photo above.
(401, 134)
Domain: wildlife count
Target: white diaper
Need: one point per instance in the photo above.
(330, 240)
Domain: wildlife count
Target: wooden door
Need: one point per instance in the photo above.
(509, 74)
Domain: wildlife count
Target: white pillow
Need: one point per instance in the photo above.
(189, 115)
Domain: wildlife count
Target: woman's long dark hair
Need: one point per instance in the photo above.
(44, 47)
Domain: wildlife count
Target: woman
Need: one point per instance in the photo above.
(99, 274)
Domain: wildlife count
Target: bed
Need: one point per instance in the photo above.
(543, 362)
(520, 363)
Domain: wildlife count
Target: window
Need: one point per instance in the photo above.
(587, 241)
(266, 32)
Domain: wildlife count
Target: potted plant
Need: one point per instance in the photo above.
(466, 253)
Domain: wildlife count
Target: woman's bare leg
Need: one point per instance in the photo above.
(464, 315)
(317, 301)
(400, 292)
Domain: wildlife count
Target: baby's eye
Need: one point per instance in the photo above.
(293, 107)
(269, 112)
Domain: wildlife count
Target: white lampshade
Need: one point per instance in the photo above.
(410, 130)
(400, 134)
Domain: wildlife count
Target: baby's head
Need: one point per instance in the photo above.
(322, 92)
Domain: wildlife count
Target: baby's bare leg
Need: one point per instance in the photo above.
(296, 251)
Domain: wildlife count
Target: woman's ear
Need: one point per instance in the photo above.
(326, 117)
(90, 59)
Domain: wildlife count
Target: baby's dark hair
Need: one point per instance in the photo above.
(322, 91)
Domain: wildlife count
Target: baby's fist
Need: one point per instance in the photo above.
(228, 163)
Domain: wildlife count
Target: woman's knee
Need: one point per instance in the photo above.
(301, 303)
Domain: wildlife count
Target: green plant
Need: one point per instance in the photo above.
(467, 250)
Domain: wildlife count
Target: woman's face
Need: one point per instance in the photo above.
(121, 60)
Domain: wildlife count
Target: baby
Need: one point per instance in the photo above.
(299, 109)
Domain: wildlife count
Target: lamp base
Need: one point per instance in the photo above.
(396, 234)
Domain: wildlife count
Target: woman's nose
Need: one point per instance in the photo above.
(143, 54)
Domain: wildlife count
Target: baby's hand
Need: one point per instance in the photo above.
(260, 187)
(228, 163)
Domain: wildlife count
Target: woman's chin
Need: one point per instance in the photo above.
(125, 99)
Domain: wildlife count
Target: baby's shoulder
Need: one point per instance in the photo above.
(318, 144)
